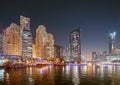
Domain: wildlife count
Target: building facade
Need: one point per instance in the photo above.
(58, 51)
(40, 41)
(44, 43)
(26, 37)
(75, 45)
(94, 57)
(49, 47)
(1, 39)
(34, 51)
(12, 40)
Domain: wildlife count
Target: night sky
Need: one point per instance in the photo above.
(96, 18)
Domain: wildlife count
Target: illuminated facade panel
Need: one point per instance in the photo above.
(75, 45)
(26, 37)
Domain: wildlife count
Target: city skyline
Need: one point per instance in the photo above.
(96, 20)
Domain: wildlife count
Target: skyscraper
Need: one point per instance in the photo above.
(58, 51)
(112, 41)
(1, 39)
(40, 41)
(26, 37)
(44, 43)
(75, 45)
(94, 56)
(34, 51)
(12, 40)
(49, 46)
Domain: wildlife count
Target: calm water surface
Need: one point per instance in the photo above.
(58, 75)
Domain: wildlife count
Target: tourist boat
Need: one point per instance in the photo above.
(41, 64)
(59, 64)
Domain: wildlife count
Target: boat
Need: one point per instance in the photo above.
(41, 64)
(59, 64)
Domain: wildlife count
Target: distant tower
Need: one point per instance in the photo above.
(112, 41)
(58, 51)
(94, 56)
(26, 37)
(75, 45)
(1, 39)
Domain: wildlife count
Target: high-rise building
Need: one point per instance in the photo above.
(1, 39)
(40, 41)
(75, 45)
(94, 56)
(34, 51)
(112, 41)
(26, 37)
(12, 40)
(58, 51)
(49, 46)
(44, 43)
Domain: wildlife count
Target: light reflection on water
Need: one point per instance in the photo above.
(60, 75)
(75, 77)
(1, 74)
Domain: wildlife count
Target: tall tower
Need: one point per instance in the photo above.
(49, 47)
(112, 41)
(75, 45)
(1, 39)
(40, 41)
(26, 37)
(44, 43)
(12, 40)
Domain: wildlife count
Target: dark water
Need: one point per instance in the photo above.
(68, 75)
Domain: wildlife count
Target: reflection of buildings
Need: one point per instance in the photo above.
(44, 43)
(90, 69)
(58, 51)
(12, 40)
(26, 37)
(75, 45)
(2, 74)
(75, 78)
